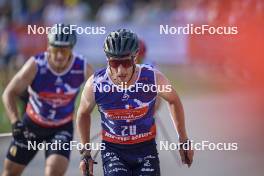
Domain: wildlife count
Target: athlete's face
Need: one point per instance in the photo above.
(59, 56)
(122, 68)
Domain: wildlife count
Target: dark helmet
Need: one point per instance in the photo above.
(61, 35)
(121, 43)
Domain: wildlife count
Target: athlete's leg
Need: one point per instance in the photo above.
(147, 161)
(12, 169)
(113, 165)
(57, 160)
(17, 158)
(56, 165)
(148, 166)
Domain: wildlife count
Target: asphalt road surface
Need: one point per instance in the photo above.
(234, 117)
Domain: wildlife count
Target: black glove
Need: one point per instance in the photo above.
(19, 131)
(86, 159)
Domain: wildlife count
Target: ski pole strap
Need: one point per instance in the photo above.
(86, 157)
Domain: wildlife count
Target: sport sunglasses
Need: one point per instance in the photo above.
(125, 63)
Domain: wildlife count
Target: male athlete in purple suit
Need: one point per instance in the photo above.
(128, 126)
(53, 79)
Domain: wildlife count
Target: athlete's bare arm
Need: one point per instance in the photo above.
(175, 105)
(83, 120)
(16, 86)
(89, 70)
(176, 110)
(85, 109)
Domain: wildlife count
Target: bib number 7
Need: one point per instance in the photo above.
(52, 114)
